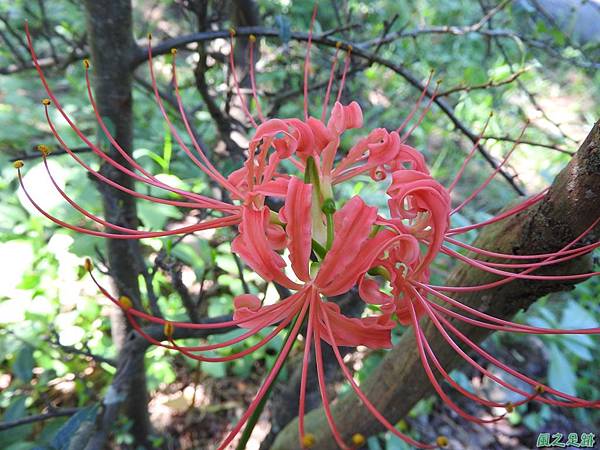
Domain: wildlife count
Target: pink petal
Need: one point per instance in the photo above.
(296, 214)
(372, 332)
(352, 225)
(249, 307)
(368, 290)
(367, 258)
(345, 117)
(254, 248)
(321, 134)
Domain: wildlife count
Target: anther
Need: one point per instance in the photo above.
(442, 441)
(231, 31)
(173, 51)
(338, 44)
(18, 164)
(358, 439)
(43, 149)
(252, 38)
(149, 36)
(46, 102)
(87, 265)
(350, 48)
(86, 63)
(125, 302)
(308, 440)
(540, 389)
(510, 407)
(168, 330)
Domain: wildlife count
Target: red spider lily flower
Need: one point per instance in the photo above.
(319, 247)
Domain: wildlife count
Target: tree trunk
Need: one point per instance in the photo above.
(571, 206)
(109, 27)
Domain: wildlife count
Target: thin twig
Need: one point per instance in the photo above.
(38, 418)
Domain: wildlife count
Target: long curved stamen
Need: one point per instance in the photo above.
(109, 135)
(372, 409)
(406, 135)
(305, 363)
(235, 80)
(425, 363)
(187, 352)
(252, 40)
(344, 73)
(512, 211)
(492, 175)
(437, 319)
(508, 325)
(470, 155)
(270, 378)
(489, 266)
(186, 325)
(210, 224)
(307, 60)
(323, 390)
(330, 83)
(416, 106)
(579, 250)
(205, 202)
(571, 401)
(454, 384)
(210, 170)
(78, 131)
(216, 175)
(82, 210)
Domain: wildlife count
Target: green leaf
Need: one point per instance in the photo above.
(574, 316)
(16, 410)
(63, 437)
(561, 375)
(580, 345)
(214, 369)
(23, 365)
(167, 150)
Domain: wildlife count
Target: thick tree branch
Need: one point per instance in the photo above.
(570, 207)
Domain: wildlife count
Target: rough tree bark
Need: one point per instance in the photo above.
(109, 28)
(571, 206)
